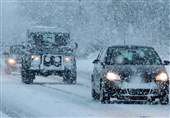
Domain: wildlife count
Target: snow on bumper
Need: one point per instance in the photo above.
(56, 63)
(148, 91)
(137, 94)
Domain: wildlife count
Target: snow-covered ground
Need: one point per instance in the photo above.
(2, 115)
(49, 97)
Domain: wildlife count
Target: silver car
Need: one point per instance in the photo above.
(130, 73)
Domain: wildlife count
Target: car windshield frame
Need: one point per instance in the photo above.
(131, 56)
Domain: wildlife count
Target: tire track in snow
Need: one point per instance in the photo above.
(63, 91)
(85, 103)
(95, 108)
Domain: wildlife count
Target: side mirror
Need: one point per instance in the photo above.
(76, 46)
(95, 61)
(166, 62)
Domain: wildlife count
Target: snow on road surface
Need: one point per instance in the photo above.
(49, 97)
(2, 115)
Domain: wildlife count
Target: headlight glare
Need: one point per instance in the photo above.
(113, 76)
(67, 59)
(162, 77)
(12, 61)
(35, 57)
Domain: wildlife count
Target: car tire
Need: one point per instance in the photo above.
(95, 95)
(70, 77)
(69, 81)
(104, 96)
(27, 76)
(164, 100)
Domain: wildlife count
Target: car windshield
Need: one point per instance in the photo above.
(59, 39)
(132, 56)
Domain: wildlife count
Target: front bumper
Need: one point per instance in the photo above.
(137, 94)
(48, 72)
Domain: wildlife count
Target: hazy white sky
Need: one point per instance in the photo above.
(12, 23)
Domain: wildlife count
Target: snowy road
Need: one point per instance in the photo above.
(49, 97)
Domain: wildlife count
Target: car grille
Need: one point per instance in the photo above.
(138, 91)
(52, 60)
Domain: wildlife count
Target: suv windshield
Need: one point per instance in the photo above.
(59, 39)
(132, 56)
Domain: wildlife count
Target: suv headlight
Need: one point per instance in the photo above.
(162, 76)
(47, 59)
(67, 59)
(35, 58)
(57, 59)
(113, 76)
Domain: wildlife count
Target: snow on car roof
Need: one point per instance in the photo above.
(47, 29)
(129, 46)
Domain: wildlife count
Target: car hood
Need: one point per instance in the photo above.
(52, 50)
(136, 75)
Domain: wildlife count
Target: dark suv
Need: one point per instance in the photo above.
(130, 73)
(49, 52)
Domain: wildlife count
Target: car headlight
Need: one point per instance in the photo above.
(162, 77)
(47, 59)
(113, 76)
(12, 61)
(67, 59)
(57, 59)
(35, 57)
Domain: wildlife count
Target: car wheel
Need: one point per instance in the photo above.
(104, 96)
(164, 100)
(70, 77)
(95, 95)
(27, 76)
(70, 81)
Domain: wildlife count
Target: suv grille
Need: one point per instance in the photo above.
(52, 60)
(138, 91)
